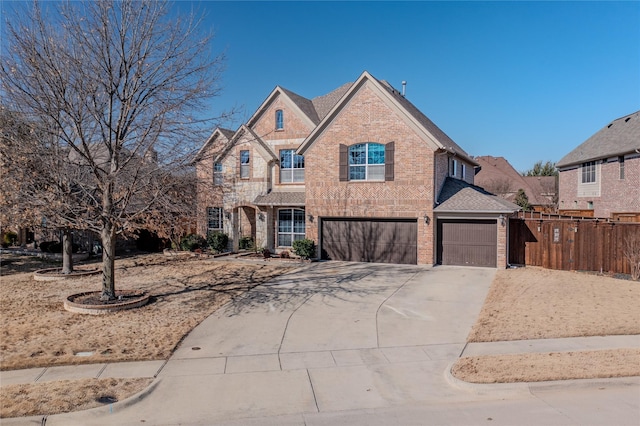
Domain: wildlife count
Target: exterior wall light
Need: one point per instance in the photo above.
(503, 220)
(427, 219)
(261, 216)
(310, 217)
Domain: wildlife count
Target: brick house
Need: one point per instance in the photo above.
(362, 172)
(601, 177)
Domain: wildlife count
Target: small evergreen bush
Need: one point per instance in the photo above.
(9, 238)
(305, 248)
(217, 241)
(245, 243)
(192, 242)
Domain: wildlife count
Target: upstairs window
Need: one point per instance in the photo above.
(214, 219)
(279, 119)
(291, 166)
(366, 161)
(217, 174)
(245, 159)
(589, 172)
(453, 172)
(621, 163)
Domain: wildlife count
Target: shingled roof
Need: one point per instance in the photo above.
(290, 198)
(459, 196)
(621, 136)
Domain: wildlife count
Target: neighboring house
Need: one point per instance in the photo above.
(363, 173)
(601, 177)
(499, 177)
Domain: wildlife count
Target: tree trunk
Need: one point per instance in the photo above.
(67, 251)
(108, 236)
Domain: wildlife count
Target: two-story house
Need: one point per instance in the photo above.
(362, 172)
(601, 177)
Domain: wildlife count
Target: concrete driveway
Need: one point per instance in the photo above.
(328, 337)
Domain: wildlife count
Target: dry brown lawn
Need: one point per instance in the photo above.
(65, 395)
(536, 303)
(37, 331)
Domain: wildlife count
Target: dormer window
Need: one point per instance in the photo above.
(279, 119)
(217, 173)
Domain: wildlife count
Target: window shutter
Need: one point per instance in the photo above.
(389, 153)
(344, 163)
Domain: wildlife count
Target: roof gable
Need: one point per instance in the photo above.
(219, 137)
(428, 131)
(621, 136)
(245, 134)
(300, 106)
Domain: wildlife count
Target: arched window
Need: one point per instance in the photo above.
(366, 161)
(279, 119)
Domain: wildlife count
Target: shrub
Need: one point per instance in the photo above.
(245, 243)
(192, 242)
(305, 248)
(217, 241)
(9, 238)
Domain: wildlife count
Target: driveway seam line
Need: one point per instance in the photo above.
(385, 301)
(313, 391)
(286, 326)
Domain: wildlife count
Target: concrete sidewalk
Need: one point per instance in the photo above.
(330, 338)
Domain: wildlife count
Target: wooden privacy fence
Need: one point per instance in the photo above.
(571, 244)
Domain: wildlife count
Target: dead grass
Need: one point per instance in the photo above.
(536, 303)
(37, 331)
(539, 367)
(65, 395)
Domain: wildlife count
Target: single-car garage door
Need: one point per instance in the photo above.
(370, 240)
(467, 242)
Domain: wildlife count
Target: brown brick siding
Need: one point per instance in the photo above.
(409, 195)
(294, 126)
(616, 195)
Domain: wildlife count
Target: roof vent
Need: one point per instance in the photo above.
(627, 119)
(404, 87)
(610, 124)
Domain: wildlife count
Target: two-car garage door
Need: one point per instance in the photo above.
(370, 240)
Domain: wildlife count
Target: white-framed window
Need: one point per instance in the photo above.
(588, 172)
(291, 166)
(291, 226)
(214, 219)
(217, 174)
(245, 163)
(366, 161)
(279, 119)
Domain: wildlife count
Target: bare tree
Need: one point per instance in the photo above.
(632, 254)
(119, 88)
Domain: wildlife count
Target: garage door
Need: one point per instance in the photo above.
(370, 240)
(467, 242)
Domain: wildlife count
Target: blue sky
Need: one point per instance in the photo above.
(526, 81)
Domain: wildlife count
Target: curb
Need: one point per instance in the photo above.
(499, 389)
